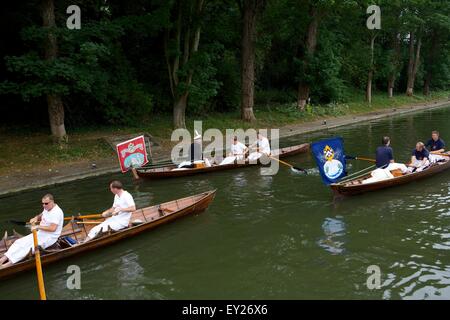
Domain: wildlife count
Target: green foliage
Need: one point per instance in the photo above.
(114, 70)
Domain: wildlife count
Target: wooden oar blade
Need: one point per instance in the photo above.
(299, 170)
(17, 222)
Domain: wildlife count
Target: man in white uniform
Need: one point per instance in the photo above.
(238, 151)
(51, 222)
(262, 148)
(120, 212)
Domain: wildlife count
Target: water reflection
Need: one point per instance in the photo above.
(334, 230)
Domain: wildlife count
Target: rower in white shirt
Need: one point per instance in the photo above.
(51, 222)
(262, 148)
(120, 212)
(238, 151)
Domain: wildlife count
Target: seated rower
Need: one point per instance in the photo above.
(419, 158)
(51, 222)
(262, 147)
(196, 154)
(120, 212)
(385, 157)
(436, 146)
(238, 151)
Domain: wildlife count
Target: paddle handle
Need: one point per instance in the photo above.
(281, 161)
(89, 222)
(442, 154)
(40, 276)
(88, 216)
(365, 159)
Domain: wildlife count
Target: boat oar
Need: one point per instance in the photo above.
(365, 159)
(442, 154)
(19, 223)
(27, 224)
(88, 216)
(360, 158)
(294, 169)
(89, 222)
(40, 276)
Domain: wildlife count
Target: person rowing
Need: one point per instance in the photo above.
(237, 152)
(436, 146)
(262, 147)
(420, 158)
(385, 157)
(50, 221)
(119, 213)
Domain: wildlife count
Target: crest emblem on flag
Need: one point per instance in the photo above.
(330, 159)
(132, 153)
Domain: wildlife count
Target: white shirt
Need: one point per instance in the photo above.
(238, 148)
(124, 201)
(54, 216)
(264, 145)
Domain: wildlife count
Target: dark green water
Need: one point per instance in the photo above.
(275, 237)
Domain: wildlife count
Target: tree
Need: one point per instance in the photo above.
(306, 50)
(181, 43)
(250, 10)
(54, 100)
(436, 30)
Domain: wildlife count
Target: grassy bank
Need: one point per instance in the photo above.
(25, 151)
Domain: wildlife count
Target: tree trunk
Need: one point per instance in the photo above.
(396, 63)
(311, 44)
(369, 87)
(409, 88)
(179, 111)
(303, 95)
(249, 17)
(391, 83)
(413, 66)
(429, 64)
(426, 85)
(370, 76)
(54, 101)
(182, 33)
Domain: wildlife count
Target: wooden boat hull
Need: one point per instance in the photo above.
(200, 204)
(344, 189)
(168, 172)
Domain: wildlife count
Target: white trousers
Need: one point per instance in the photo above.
(115, 223)
(254, 156)
(395, 166)
(418, 165)
(435, 158)
(21, 247)
(228, 160)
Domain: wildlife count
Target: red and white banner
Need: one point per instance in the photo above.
(132, 153)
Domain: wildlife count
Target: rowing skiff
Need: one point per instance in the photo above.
(141, 220)
(169, 172)
(355, 186)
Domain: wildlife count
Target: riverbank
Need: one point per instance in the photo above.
(88, 155)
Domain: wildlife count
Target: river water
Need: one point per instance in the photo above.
(266, 237)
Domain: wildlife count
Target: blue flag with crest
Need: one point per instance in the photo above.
(330, 159)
